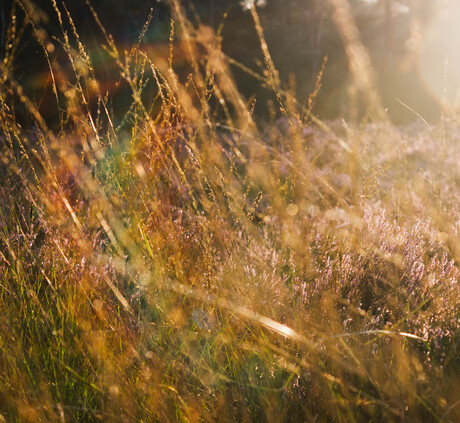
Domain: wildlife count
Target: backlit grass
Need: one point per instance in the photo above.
(188, 262)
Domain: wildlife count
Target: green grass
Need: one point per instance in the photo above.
(189, 263)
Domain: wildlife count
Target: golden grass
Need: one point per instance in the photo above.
(189, 263)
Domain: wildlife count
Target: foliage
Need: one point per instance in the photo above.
(175, 259)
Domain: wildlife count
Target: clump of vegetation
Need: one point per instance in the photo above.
(186, 262)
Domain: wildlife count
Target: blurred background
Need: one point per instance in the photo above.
(413, 47)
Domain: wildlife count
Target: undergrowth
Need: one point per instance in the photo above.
(187, 262)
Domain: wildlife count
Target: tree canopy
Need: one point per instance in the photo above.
(300, 34)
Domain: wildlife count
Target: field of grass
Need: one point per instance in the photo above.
(189, 262)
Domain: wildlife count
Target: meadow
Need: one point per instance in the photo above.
(180, 259)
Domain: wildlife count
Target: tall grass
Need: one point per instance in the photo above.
(187, 262)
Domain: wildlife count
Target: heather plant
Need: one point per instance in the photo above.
(176, 259)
